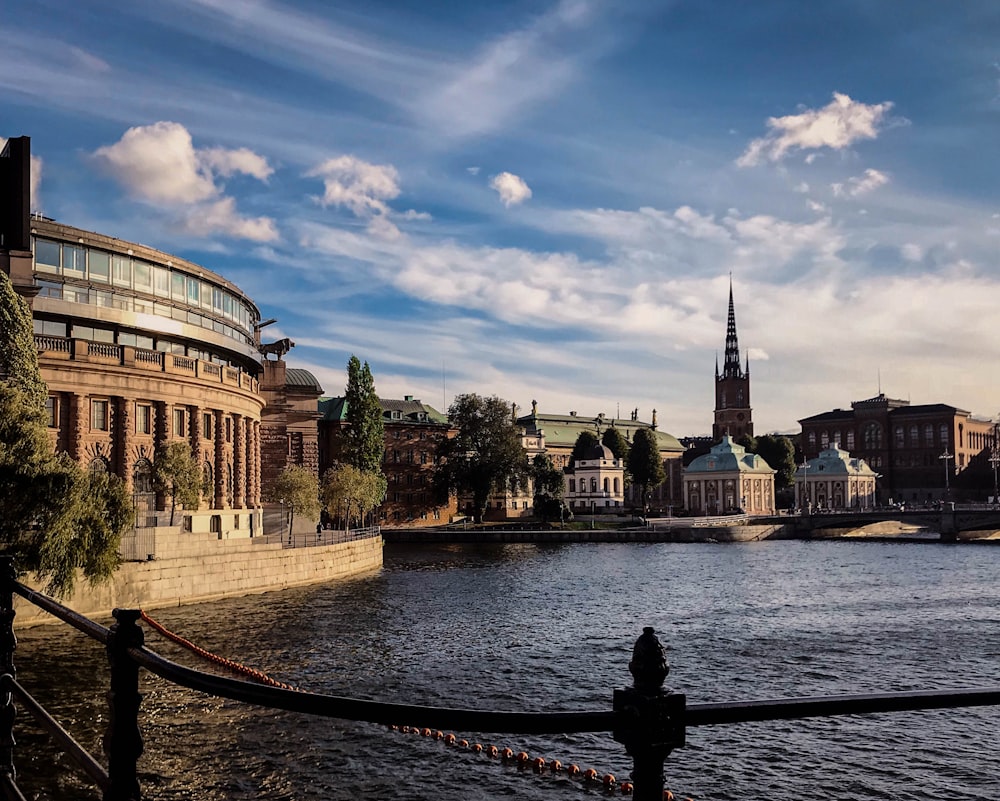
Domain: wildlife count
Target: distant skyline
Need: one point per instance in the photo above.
(546, 200)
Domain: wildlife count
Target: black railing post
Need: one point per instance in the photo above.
(8, 643)
(123, 740)
(650, 718)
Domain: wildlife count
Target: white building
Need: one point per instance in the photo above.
(597, 483)
(728, 479)
(835, 480)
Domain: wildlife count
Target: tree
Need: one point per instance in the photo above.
(547, 480)
(486, 454)
(779, 452)
(583, 445)
(54, 517)
(297, 488)
(177, 474)
(645, 464)
(346, 489)
(364, 435)
(615, 442)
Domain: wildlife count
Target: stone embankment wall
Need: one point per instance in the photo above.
(192, 568)
(675, 534)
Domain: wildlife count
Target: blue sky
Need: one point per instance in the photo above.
(546, 200)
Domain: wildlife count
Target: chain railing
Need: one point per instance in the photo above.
(648, 719)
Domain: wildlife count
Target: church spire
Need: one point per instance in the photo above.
(732, 367)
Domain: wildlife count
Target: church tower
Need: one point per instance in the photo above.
(732, 387)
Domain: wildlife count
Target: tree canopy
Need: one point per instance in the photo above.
(486, 454)
(177, 474)
(644, 463)
(297, 488)
(613, 439)
(349, 493)
(547, 480)
(584, 442)
(364, 435)
(54, 516)
(779, 452)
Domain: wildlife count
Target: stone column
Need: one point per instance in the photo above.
(220, 461)
(239, 461)
(161, 436)
(196, 433)
(123, 423)
(256, 500)
(79, 420)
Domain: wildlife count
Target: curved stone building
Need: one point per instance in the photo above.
(140, 348)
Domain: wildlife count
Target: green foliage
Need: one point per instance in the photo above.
(486, 453)
(644, 463)
(364, 435)
(177, 474)
(297, 488)
(548, 483)
(779, 453)
(615, 441)
(18, 357)
(54, 517)
(584, 442)
(350, 493)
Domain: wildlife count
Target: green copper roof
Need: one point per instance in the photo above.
(836, 462)
(407, 410)
(728, 457)
(562, 430)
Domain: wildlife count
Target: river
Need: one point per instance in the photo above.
(525, 627)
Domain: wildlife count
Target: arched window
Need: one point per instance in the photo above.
(593, 485)
(812, 439)
(943, 435)
(836, 440)
(142, 476)
(873, 436)
(97, 466)
(900, 437)
(824, 439)
(572, 485)
(914, 437)
(929, 436)
(617, 487)
(850, 440)
(607, 485)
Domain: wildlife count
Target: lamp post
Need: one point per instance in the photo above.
(804, 495)
(995, 460)
(946, 457)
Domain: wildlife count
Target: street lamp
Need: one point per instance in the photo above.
(995, 460)
(803, 496)
(946, 457)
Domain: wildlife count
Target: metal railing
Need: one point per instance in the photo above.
(647, 719)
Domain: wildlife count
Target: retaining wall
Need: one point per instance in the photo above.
(204, 568)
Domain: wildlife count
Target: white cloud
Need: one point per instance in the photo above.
(511, 188)
(220, 216)
(359, 185)
(159, 164)
(837, 125)
(912, 252)
(89, 61)
(816, 206)
(802, 188)
(472, 170)
(861, 185)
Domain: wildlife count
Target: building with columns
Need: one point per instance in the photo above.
(835, 480)
(140, 349)
(728, 480)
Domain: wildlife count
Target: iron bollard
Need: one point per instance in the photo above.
(650, 717)
(8, 643)
(123, 740)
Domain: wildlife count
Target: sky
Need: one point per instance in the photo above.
(548, 200)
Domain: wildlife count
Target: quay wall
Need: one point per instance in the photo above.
(748, 533)
(196, 568)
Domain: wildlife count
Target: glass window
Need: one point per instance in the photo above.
(943, 434)
(103, 335)
(50, 289)
(900, 440)
(206, 295)
(143, 306)
(227, 305)
(74, 260)
(82, 332)
(914, 437)
(101, 297)
(121, 270)
(824, 439)
(100, 266)
(206, 425)
(143, 418)
(179, 314)
(929, 435)
(126, 339)
(52, 411)
(180, 422)
(46, 256)
(161, 282)
(142, 274)
(99, 415)
(193, 291)
(143, 342)
(217, 299)
(50, 328)
(177, 286)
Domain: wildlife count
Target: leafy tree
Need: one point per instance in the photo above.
(779, 453)
(346, 489)
(364, 435)
(485, 454)
(615, 441)
(548, 487)
(297, 488)
(54, 516)
(584, 442)
(177, 474)
(645, 464)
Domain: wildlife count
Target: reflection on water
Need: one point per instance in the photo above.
(522, 627)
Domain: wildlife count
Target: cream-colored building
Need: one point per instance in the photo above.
(597, 483)
(728, 480)
(835, 480)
